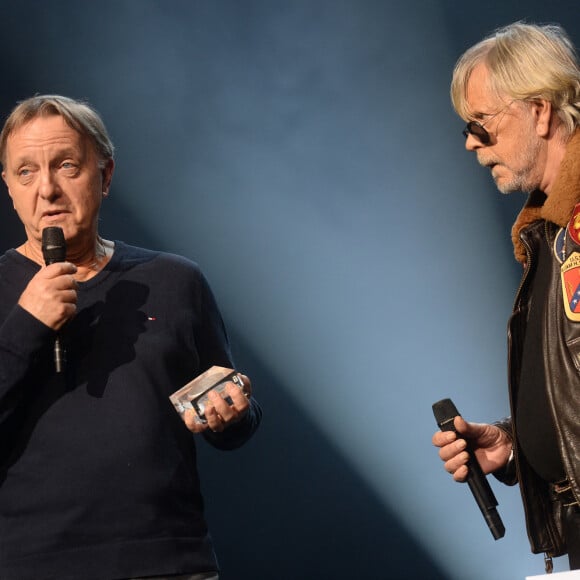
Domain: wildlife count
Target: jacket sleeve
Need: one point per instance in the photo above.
(22, 338)
(507, 474)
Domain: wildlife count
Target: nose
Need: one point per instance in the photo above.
(47, 186)
(472, 143)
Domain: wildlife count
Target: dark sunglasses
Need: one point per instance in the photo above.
(478, 130)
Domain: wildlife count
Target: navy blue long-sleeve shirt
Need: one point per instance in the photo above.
(98, 476)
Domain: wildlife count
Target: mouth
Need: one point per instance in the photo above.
(53, 216)
(489, 164)
(53, 213)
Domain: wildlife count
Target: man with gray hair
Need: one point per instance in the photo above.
(519, 92)
(98, 475)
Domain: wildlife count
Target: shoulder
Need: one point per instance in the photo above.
(16, 266)
(160, 263)
(12, 258)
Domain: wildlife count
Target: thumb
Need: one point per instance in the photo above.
(467, 429)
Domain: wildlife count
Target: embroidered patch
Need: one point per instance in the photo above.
(570, 272)
(560, 245)
(574, 225)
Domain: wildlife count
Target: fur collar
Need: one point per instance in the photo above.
(558, 206)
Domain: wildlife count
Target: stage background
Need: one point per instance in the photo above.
(305, 154)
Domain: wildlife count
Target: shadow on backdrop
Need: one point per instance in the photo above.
(297, 509)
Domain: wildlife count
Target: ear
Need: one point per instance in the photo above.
(6, 183)
(107, 173)
(542, 113)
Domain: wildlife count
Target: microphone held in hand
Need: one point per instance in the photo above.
(445, 411)
(54, 250)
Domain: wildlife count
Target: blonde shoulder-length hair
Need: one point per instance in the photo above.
(525, 62)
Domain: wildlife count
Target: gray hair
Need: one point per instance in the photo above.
(78, 115)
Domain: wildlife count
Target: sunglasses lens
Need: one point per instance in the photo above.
(475, 129)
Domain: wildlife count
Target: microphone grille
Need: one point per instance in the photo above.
(444, 410)
(53, 245)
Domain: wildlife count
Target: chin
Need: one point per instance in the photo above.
(506, 189)
(507, 186)
(503, 186)
(518, 184)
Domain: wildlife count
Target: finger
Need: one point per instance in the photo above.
(215, 421)
(456, 461)
(65, 282)
(65, 292)
(246, 384)
(69, 296)
(226, 411)
(461, 425)
(468, 429)
(452, 450)
(60, 269)
(238, 396)
(442, 438)
(461, 474)
(192, 421)
(458, 464)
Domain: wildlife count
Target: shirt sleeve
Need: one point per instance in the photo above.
(215, 350)
(238, 433)
(22, 338)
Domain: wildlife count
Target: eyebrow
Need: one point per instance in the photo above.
(26, 159)
(481, 115)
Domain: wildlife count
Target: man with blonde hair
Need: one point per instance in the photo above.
(519, 92)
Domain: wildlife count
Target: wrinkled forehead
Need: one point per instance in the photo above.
(20, 125)
(44, 133)
(44, 117)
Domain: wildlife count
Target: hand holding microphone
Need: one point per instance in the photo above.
(460, 458)
(51, 294)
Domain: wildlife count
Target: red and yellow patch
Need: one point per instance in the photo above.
(570, 272)
(574, 225)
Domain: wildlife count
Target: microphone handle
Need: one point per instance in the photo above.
(59, 355)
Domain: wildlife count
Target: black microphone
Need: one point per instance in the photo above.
(54, 250)
(444, 412)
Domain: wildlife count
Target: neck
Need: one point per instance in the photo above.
(89, 262)
(553, 163)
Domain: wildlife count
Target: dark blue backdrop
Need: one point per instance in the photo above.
(306, 155)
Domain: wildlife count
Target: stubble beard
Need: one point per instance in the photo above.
(523, 172)
(525, 178)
